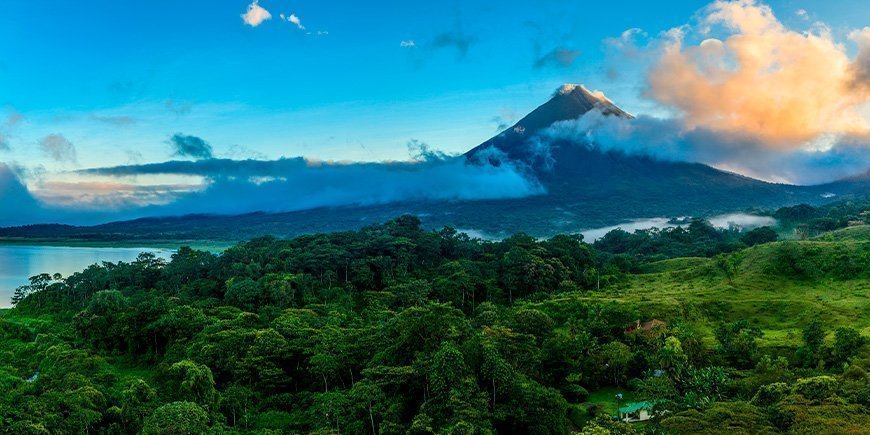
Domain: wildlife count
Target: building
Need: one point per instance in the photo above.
(636, 411)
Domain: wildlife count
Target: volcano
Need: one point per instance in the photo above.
(569, 102)
(584, 187)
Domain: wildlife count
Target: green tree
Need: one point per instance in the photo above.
(759, 235)
(614, 357)
(191, 382)
(138, 400)
(738, 343)
(177, 418)
(847, 343)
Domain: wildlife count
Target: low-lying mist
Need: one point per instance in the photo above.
(742, 221)
(283, 185)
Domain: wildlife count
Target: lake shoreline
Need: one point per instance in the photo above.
(20, 262)
(203, 245)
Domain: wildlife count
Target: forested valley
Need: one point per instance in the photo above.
(399, 329)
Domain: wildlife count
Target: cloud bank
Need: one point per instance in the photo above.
(758, 78)
(19, 206)
(748, 94)
(287, 184)
(668, 139)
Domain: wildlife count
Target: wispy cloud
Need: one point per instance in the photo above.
(118, 121)
(293, 19)
(178, 107)
(558, 57)
(58, 148)
(409, 43)
(256, 14)
(190, 146)
(13, 118)
(457, 40)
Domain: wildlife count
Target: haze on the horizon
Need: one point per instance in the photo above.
(325, 94)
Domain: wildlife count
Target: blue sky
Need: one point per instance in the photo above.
(99, 83)
(118, 78)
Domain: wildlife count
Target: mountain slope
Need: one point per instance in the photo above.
(569, 102)
(585, 187)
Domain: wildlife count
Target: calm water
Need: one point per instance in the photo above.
(19, 263)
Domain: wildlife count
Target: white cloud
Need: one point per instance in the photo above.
(256, 14)
(295, 20)
(803, 14)
(409, 43)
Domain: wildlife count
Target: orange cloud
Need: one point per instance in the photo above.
(760, 79)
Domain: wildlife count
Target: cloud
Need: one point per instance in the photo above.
(457, 40)
(13, 118)
(861, 66)
(505, 119)
(293, 19)
(558, 57)
(802, 13)
(668, 139)
(752, 76)
(255, 14)
(58, 148)
(408, 43)
(190, 146)
(19, 206)
(290, 184)
(133, 156)
(178, 107)
(118, 121)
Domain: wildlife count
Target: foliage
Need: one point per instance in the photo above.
(395, 329)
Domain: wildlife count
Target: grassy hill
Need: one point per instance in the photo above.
(780, 298)
(860, 233)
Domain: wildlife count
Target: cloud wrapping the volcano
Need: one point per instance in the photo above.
(759, 78)
(749, 95)
(668, 139)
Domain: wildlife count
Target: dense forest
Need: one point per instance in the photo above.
(399, 329)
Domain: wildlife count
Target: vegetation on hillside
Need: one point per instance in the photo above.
(397, 329)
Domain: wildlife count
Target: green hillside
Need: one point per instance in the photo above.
(396, 329)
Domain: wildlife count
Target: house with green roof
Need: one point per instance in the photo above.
(636, 411)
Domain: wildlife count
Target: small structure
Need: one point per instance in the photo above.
(637, 411)
(646, 326)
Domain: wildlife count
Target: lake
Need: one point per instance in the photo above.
(19, 263)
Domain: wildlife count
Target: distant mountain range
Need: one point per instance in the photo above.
(585, 188)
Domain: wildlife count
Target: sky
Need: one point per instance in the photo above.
(96, 83)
